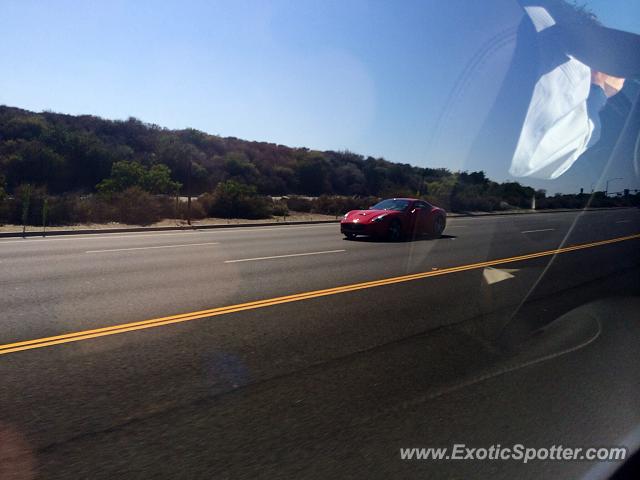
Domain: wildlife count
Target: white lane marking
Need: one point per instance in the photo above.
(541, 230)
(191, 232)
(150, 248)
(495, 275)
(283, 256)
(623, 221)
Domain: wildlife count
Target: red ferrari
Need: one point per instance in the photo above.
(395, 219)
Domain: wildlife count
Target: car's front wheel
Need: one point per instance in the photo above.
(394, 232)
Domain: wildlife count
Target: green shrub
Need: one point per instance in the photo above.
(198, 211)
(280, 208)
(63, 211)
(134, 206)
(4, 211)
(335, 205)
(299, 204)
(232, 199)
(206, 201)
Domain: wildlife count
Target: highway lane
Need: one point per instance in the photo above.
(56, 285)
(69, 399)
(349, 418)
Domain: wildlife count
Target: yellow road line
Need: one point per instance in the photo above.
(185, 317)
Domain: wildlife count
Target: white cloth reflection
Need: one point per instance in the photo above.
(558, 126)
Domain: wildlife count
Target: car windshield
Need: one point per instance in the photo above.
(394, 204)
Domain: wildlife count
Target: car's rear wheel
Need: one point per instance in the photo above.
(437, 227)
(394, 233)
(350, 236)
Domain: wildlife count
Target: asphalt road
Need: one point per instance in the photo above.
(352, 350)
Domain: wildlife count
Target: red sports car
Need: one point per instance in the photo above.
(395, 219)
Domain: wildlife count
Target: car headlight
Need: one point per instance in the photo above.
(379, 217)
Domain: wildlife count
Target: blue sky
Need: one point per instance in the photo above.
(368, 76)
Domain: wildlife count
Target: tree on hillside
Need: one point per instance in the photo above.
(31, 161)
(158, 180)
(124, 175)
(313, 174)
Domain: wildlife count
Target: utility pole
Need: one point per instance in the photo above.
(45, 213)
(189, 192)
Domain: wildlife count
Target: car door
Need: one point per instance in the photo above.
(421, 215)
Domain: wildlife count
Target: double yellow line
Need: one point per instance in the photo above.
(214, 312)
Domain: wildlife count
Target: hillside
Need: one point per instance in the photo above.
(93, 169)
(69, 153)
